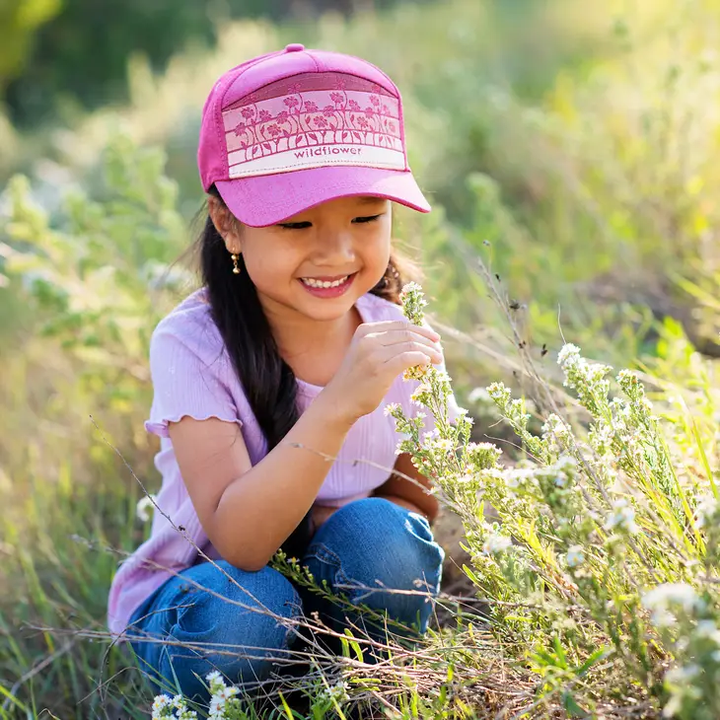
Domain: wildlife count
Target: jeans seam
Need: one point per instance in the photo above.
(322, 553)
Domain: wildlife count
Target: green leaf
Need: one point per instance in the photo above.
(354, 644)
(572, 707)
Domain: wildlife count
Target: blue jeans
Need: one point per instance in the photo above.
(243, 623)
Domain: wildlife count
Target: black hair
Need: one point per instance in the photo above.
(268, 381)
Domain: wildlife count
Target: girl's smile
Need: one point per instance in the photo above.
(325, 287)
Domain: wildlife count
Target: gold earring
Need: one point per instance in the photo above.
(235, 257)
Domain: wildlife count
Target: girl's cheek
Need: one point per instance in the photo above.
(267, 262)
(379, 251)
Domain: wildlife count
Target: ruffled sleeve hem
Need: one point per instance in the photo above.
(160, 428)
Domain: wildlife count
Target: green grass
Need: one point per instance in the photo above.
(61, 550)
(55, 579)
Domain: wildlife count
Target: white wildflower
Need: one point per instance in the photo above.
(496, 543)
(661, 617)
(705, 628)
(160, 704)
(227, 692)
(413, 302)
(568, 355)
(595, 372)
(337, 692)
(421, 395)
(217, 706)
(161, 701)
(681, 685)
(626, 375)
(705, 511)
(575, 556)
(443, 445)
(674, 706)
(566, 463)
(601, 437)
(482, 455)
(389, 410)
(479, 396)
(442, 377)
(662, 597)
(708, 630)
(516, 411)
(683, 674)
(499, 394)
(680, 594)
(517, 477)
(622, 408)
(214, 678)
(622, 517)
(144, 507)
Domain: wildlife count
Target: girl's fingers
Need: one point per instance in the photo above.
(423, 354)
(405, 360)
(393, 326)
(406, 334)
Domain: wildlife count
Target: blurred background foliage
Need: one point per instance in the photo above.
(571, 145)
(62, 56)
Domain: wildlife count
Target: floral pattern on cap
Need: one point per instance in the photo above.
(313, 120)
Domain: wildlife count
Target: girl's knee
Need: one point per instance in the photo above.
(239, 606)
(374, 543)
(233, 621)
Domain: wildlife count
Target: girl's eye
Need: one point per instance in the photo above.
(367, 219)
(306, 224)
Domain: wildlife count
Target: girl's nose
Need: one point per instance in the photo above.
(335, 248)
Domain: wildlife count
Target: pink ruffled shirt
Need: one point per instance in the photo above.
(193, 376)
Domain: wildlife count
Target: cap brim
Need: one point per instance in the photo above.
(269, 199)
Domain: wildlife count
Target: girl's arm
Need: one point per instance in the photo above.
(248, 511)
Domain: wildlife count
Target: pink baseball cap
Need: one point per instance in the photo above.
(289, 130)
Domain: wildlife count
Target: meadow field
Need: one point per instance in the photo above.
(571, 152)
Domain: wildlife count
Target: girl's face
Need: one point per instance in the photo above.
(343, 242)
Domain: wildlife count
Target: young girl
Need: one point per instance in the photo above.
(284, 360)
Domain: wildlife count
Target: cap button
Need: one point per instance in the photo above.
(294, 47)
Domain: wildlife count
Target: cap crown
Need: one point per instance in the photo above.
(298, 109)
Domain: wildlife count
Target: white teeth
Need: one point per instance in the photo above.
(311, 282)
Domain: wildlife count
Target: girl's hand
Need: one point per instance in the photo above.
(378, 353)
